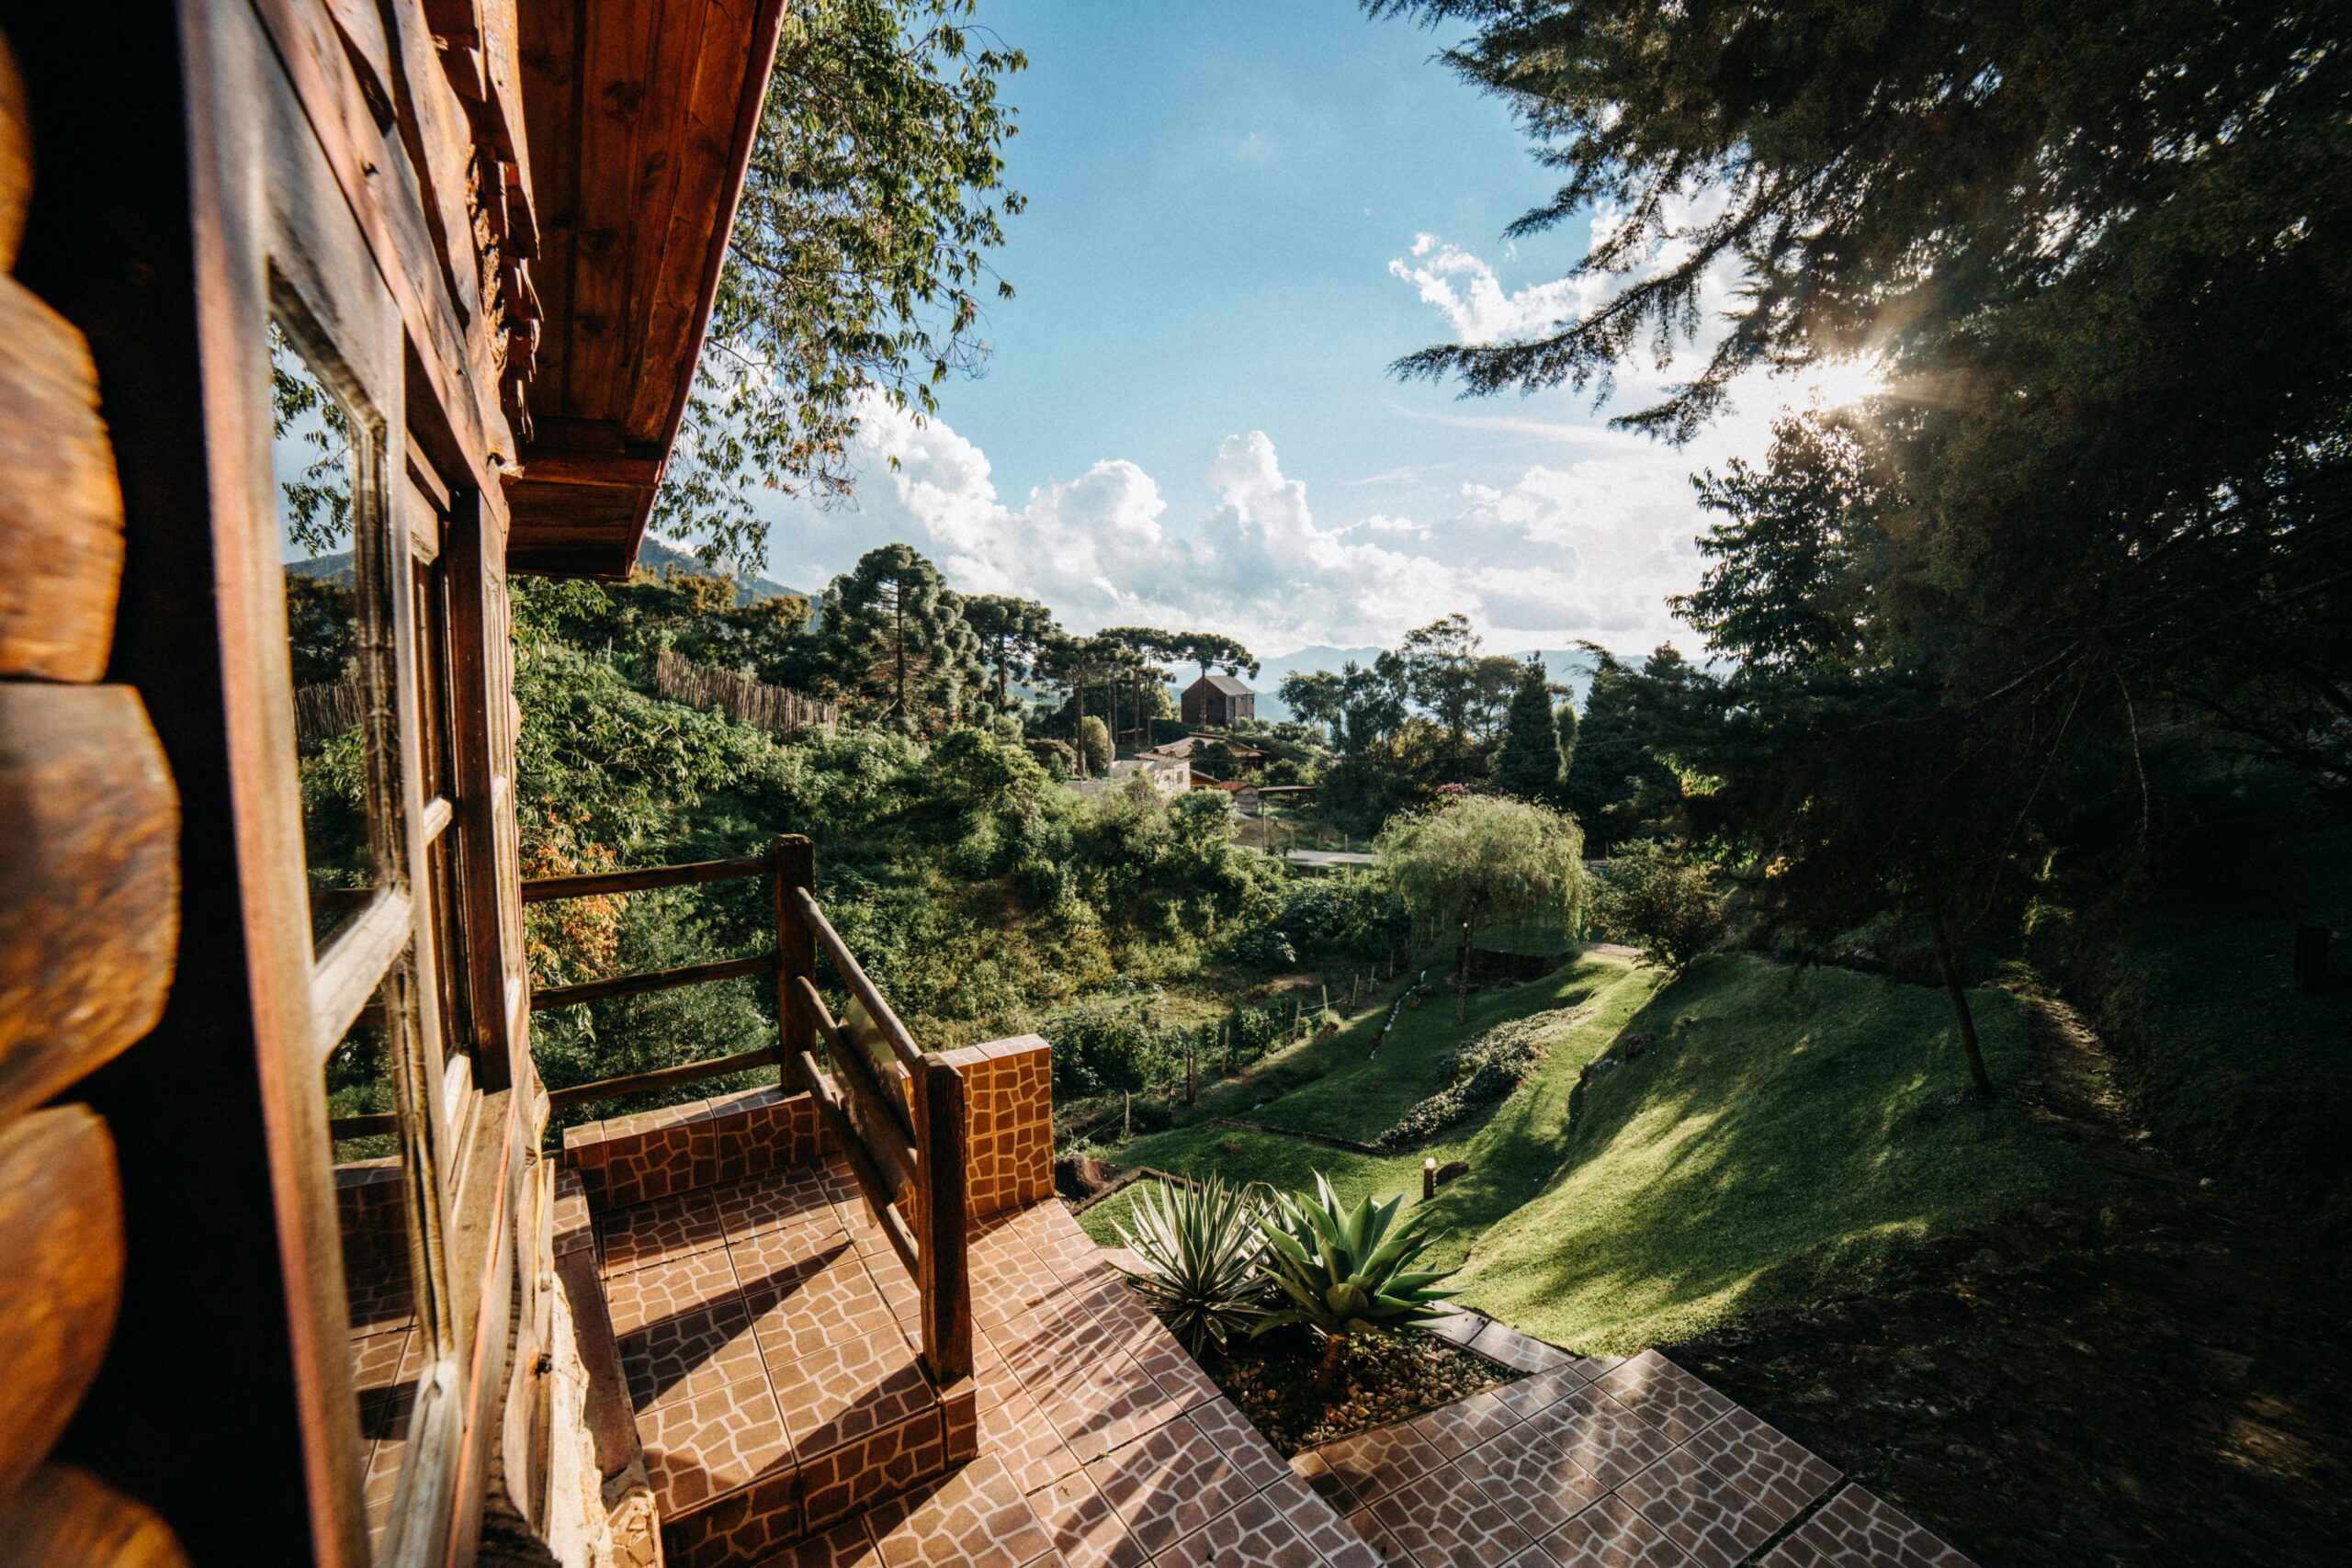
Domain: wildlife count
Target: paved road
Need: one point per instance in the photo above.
(1331, 857)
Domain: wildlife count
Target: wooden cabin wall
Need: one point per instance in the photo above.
(145, 901)
(88, 898)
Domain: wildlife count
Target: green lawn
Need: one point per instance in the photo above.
(1783, 1131)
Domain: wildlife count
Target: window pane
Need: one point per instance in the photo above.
(325, 543)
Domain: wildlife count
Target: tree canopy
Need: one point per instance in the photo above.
(858, 264)
(1528, 766)
(896, 640)
(1471, 862)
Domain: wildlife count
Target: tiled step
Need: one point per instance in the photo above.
(768, 1338)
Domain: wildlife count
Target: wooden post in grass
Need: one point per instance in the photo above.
(1429, 1178)
(1192, 1076)
(1126, 1115)
(1225, 1039)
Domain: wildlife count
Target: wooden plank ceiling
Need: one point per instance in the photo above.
(640, 116)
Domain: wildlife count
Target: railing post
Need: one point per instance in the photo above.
(939, 1127)
(792, 863)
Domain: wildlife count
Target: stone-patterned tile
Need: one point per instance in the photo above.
(795, 1198)
(975, 1519)
(666, 1290)
(994, 1375)
(1253, 1535)
(847, 1545)
(1762, 1462)
(1608, 1441)
(1320, 1525)
(1524, 1352)
(695, 1351)
(799, 1307)
(1050, 1347)
(1006, 1285)
(1526, 1469)
(1714, 1522)
(704, 1444)
(750, 1525)
(1034, 1453)
(1111, 1403)
(881, 1465)
(1371, 1464)
(1168, 1484)
(1445, 1521)
(1861, 1529)
(1086, 1530)
(1368, 1529)
(1221, 1424)
(1530, 1395)
(850, 1389)
(385, 1396)
(1456, 1428)
(1670, 1398)
(659, 1231)
(1459, 1325)
(1313, 1472)
(1613, 1534)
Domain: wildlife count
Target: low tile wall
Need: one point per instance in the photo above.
(1009, 1101)
(1008, 1097)
(660, 1154)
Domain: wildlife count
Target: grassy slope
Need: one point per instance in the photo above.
(1783, 1132)
(2230, 1066)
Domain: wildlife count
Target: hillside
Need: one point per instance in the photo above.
(1780, 1133)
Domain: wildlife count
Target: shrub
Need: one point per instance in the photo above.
(1664, 898)
(1478, 1072)
(1198, 1251)
(1343, 1272)
(1094, 744)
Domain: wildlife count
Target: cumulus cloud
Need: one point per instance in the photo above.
(1525, 559)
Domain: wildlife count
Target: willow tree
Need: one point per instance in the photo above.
(857, 268)
(1482, 860)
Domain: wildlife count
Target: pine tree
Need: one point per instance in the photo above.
(1529, 763)
(896, 642)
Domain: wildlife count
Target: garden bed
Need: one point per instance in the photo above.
(1383, 1379)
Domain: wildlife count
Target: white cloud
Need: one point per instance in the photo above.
(1524, 559)
(1467, 292)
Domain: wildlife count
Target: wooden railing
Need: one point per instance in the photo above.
(896, 1115)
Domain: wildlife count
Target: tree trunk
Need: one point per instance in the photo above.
(1327, 1371)
(1981, 1080)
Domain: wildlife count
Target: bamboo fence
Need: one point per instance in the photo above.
(739, 697)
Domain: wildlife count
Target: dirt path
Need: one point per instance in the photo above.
(2153, 1374)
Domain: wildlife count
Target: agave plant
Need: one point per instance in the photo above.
(1345, 1271)
(1199, 1250)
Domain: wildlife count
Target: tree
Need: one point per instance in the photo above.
(1985, 200)
(896, 640)
(1093, 744)
(1529, 763)
(1612, 773)
(858, 261)
(1479, 860)
(1664, 898)
(1135, 649)
(1442, 671)
(1211, 651)
(1013, 633)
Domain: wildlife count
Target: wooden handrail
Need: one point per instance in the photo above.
(657, 1077)
(852, 974)
(342, 1127)
(593, 883)
(904, 1141)
(657, 980)
(851, 1065)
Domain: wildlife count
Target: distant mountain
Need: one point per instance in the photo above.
(652, 556)
(656, 556)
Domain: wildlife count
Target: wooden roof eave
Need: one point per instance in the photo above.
(636, 203)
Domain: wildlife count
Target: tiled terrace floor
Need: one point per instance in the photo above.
(1602, 1464)
(763, 1323)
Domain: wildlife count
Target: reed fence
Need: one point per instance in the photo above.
(327, 709)
(739, 697)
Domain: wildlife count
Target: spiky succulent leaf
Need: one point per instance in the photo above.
(1345, 1270)
(1198, 1253)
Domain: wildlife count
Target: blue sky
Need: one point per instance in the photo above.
(1239, 213)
